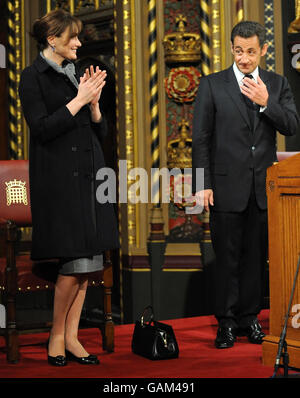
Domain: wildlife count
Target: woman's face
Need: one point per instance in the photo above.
(65, 46)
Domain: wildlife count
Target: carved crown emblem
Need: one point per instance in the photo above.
(180, 149)
(181, 46)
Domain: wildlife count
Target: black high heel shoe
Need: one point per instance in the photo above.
(89, 360)
(59, 360)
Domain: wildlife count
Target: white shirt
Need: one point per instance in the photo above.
(240, 76)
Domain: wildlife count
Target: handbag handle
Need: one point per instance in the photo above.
(149, 307)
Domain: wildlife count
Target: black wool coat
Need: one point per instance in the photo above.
(64, 156)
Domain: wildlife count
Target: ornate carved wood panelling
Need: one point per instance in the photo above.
(183, 49)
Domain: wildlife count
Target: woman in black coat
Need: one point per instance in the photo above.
(66, 126)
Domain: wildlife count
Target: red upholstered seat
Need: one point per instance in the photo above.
(27, 281)
(15, 195)
(36, 276)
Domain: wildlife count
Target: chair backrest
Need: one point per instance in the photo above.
(14, 192)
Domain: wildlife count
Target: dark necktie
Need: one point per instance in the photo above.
(251, 107)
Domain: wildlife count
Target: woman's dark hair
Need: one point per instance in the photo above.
(54, 23)
(248, 29)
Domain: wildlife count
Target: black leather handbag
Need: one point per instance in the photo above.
(154, 340)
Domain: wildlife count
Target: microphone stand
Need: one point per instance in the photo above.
(282, 345)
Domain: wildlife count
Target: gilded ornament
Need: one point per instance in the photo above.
(181, 46)
(16, 192)
(180, 149)
(295, 25)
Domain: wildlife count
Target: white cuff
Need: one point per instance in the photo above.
(262, 108)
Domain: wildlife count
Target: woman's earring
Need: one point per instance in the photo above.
(52, 48)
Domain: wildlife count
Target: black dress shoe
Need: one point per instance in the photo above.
(59, 360)
(253, 332)
(226, 337)
(89, 360)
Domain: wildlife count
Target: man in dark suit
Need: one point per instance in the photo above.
(237, 113)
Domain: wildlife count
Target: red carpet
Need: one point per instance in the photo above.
(198, 357)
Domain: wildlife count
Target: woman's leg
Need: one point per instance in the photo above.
(66, 290)
(73, 318)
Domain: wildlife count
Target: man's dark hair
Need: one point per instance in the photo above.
(248, 29)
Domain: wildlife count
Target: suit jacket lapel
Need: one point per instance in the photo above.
(234, 91)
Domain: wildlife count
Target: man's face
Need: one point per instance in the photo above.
(247, 53)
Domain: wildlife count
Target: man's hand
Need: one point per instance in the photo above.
(256, 92)
(205, 198)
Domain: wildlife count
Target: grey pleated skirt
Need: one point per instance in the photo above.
(81, 265)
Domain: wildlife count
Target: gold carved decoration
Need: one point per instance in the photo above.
(181, 86)
(295, 25)
(180, 156)
(77, 6)
(181, 46)
(180, 149)
(16, 192)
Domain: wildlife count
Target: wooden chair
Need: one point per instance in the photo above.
(17, 269)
